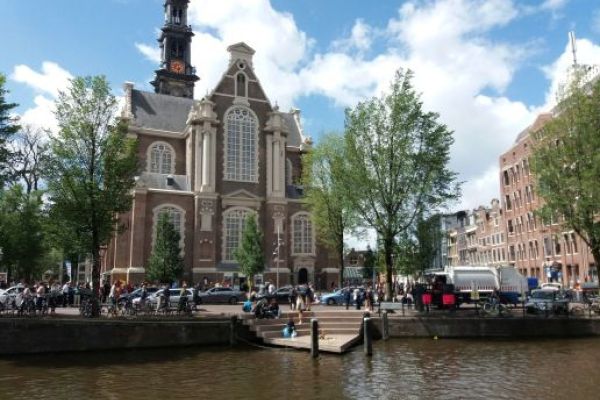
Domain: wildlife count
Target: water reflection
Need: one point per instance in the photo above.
(399, 369)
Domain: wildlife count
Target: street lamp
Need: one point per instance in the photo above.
(277, 253)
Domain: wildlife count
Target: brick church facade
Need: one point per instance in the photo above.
(210, 163)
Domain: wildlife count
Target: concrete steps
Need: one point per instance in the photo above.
(339, 329)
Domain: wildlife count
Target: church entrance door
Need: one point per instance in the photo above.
(302, 276)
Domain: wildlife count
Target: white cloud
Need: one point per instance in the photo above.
(553, 5)
(41, 115)
(150, 52)
(48, 83)
(50, 80)
(360, 38)
(588, 53)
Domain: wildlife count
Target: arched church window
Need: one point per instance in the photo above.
(176, 217)
(240, 85)
(302, 234)
(233, 225)
(161, 158)
(241, 145)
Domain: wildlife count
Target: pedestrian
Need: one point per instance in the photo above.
(347, 297)
(40, 293)
(292, 297)
(65, 294)
(300, 300)
(369, 299)
(310, 296)
(356, 298)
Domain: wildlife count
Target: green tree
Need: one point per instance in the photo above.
(566, 163)
(250, 253)
(8, 127)
(370, 264)
(396, 164)
(165, 264)
(91, 167)
(21, 233)
(323, 169)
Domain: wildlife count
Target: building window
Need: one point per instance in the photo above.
(508, 202)
(234, 221)
(240, 85)
(288, 171)
(176, 217)
(162, 157)
(241, 146)
(302, 238)
(506, 178)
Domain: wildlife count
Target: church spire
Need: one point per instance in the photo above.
(176, 76)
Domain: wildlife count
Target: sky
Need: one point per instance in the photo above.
(487, 67)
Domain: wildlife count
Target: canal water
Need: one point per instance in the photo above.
(399, 369)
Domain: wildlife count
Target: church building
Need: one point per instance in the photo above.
(210, 163)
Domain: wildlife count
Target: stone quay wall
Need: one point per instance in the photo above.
(22, 336)
(457, 327)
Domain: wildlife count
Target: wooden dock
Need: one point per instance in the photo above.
(339, 330)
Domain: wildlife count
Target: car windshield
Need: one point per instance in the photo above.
(543, 295)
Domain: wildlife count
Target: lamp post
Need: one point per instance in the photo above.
(277, 253)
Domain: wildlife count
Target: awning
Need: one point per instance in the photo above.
(353, 272)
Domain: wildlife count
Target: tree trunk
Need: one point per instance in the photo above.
(95, 275)
(341, 256)
(389, 268)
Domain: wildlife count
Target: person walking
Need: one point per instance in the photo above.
(356, 297)
(347, 297)
(293, 296)
(65, 293)
(310, 296)
(368, 299)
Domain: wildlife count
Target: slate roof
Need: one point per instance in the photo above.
(294, 138)
(159, 111)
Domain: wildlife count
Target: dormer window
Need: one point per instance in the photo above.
(240, 85)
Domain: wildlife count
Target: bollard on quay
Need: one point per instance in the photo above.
(368, 345)
(385, 327)
(314, 338)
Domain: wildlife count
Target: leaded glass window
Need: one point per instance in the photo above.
(303, 234)
(241, 146)
(161, 159)
(233, 225)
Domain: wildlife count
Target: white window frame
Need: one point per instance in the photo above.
(156, 212)
(236, 175)
(229, 258)
(171, 169)
(311, 251)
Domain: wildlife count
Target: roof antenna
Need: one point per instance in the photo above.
(573, 47)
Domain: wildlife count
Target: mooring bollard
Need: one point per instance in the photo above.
(314, 338)
(385, 333)
(368, 346)
(232, 325)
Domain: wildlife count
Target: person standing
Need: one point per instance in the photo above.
(65, 294)
(310, 296)
(347, 297)
(293, 296)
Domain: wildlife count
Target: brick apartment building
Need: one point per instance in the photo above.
(537, 248)
(211, 163)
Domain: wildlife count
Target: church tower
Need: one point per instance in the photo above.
(176, 76)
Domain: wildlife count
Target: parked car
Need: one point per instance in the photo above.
(282, 295)
(552, 286)
(12, 291)
(218, 295)
(137, 293)
(547, 301)
(337, 297)
(173, 298)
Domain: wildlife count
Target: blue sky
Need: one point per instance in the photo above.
(488, 67)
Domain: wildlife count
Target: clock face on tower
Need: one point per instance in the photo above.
(177, 67)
